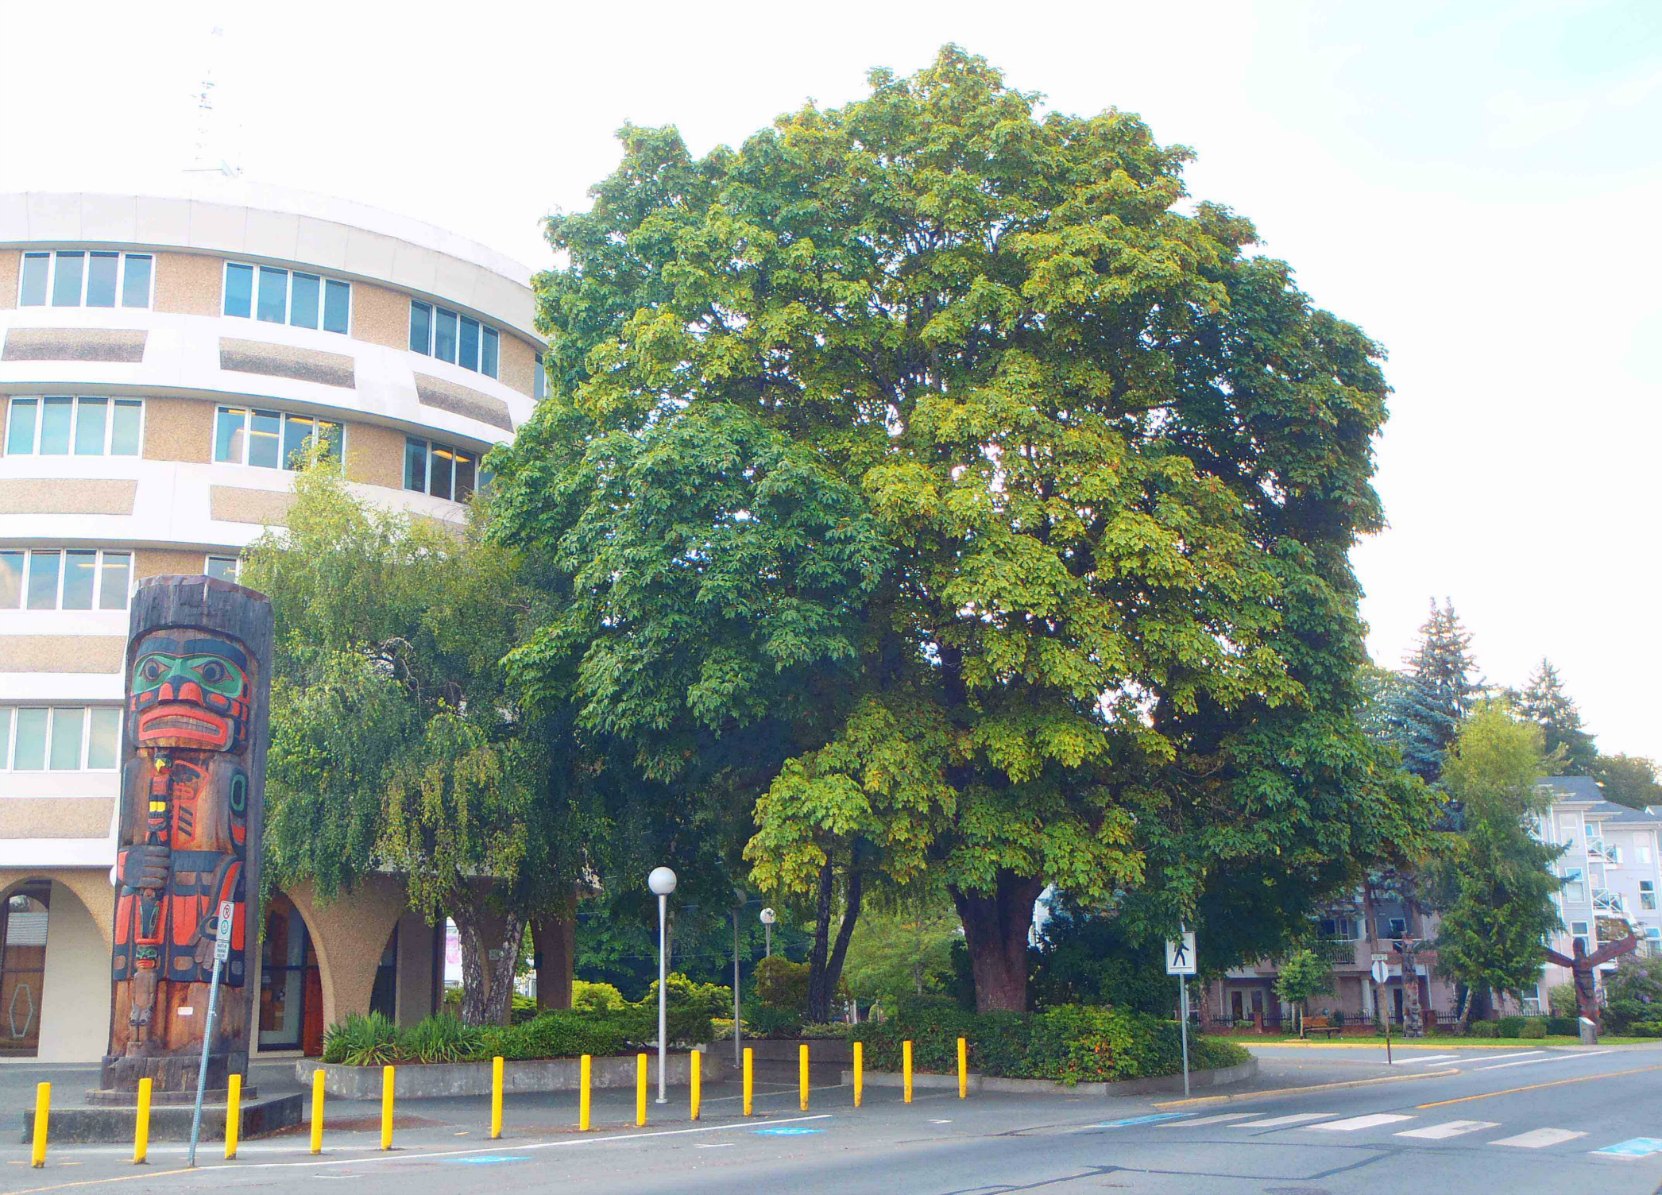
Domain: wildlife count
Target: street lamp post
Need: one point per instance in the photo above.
(662, 883)
(768, 918)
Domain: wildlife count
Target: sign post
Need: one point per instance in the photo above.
(222, 951)
(1381, 974)
(1180, 961)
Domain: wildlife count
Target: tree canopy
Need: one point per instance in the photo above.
(1434, 694)
(972, 500)
(1545, 702)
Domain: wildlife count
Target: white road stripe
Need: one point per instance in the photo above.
(1449, 1128)
(1539, 1138)
(1423, 1061)
(1189, 1124)
(1353, 1123)
(1498, 1057)
(1278, 1122)
(1548, 1058)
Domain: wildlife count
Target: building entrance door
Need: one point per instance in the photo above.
(291, 1005)
(23, 968)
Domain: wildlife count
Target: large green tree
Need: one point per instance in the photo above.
(1629, 780)
(1545, 702)
(395, 742)
(1436, 691)
(1008, 492)
(1497, 878)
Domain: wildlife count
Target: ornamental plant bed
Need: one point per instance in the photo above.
(1070, 1045)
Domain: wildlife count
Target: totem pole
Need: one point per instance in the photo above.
(1581, 965)
(193, 771)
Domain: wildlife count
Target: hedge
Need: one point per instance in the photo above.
(1070, 1044)
(564, 1033)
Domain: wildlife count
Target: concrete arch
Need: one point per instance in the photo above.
(75, 986)
(349, 935)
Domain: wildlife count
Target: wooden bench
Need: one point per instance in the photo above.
(1319, 1025)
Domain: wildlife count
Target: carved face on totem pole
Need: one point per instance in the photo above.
(189, 826)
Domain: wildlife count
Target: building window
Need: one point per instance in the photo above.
(1644, 853)
(222, 568)
(1647, 895)
(270, 439)
(63, 426)
(279, 296)
(439, 470)
(73, 579)
(539, 380)
(85, 278)
(60, 738)
(1393, 927)
(1575, 890)
(450, 336)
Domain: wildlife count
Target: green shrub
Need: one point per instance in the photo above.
(1072, 1044)
(1619, 1014)
(1561, 999)
(1509, 1026)
(1563, 1026)
(1533, 1027)
(831, 1029)
(442, 1038)
(1645, 1029)
(1483, 1029)
(371, 1040)
(710, 999)
(762, 1020)
(782, 984)
(561, 1033)
(595, 997)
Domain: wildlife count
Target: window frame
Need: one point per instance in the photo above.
(283, 418)
(57, 606)
(456, 453)
(539, 380)
(122, 256)
(236, 566)
(112, 401)
(324, 281)
(8, 738)
(485, 329)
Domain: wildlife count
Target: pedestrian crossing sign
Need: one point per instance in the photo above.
(1180, 955)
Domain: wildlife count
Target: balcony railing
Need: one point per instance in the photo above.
(1597, 848)
(1607, 901)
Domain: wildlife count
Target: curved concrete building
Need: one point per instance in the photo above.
(162, 361)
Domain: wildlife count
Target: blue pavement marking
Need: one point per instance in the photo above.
(1152, 1118)
(487, 1159)
(1633, 1147)
(786, 1131)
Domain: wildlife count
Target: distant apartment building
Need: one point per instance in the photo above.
(164, 361)
(1611, 868)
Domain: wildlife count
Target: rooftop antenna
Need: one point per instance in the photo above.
(205, 160)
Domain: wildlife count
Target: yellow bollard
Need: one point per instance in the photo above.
(859, 1072)
(749, 1081)
(802, 1073)
(963, 1068)
(584, 1069)
(233, 1116)
(141, 1124)
(496, 1097)
(43, 1112)
(906, 1071)
(640, 1090)
(695, 1079)
(388, 1084)
(317, 1111)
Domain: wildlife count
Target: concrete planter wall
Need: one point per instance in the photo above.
(1221, 1077)
(777, 1059)
(416, 1080)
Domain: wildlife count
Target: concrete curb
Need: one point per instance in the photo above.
(1219, 1077)
(1276, 1092)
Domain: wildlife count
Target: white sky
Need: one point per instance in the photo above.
(1477, 184)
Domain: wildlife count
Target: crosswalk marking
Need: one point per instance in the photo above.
(1518, 1054)
(1449, 1128)
(1219, 1119)
(1424, 1061)
(1276, 1122)
(1633, 1147)
(1539, 1138)
(1549, 1058)
(1351, 1124)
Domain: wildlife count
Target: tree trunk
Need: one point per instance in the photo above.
(825, 960)
(996, 926)
(554, 937)
(487, 982)
(845, 932)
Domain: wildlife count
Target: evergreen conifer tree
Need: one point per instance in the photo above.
(1544, 702)
(1437, 690)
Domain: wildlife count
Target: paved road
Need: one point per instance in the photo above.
(1514, 1120)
